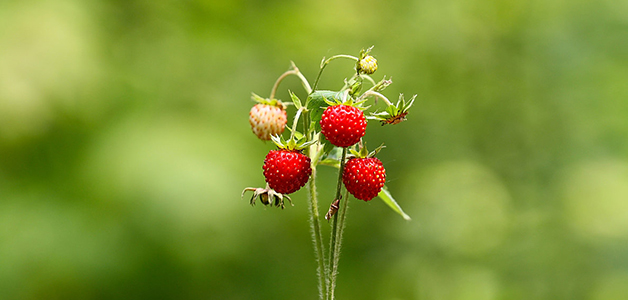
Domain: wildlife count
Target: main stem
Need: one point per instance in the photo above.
(313, 150)
(316, 232)
(334, 238)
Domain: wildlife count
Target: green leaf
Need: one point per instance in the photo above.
(316, 98)
(316, 105)
(385, 195)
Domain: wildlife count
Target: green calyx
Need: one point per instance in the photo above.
(394, 113)
(344, 97)
(363, 152)
(271, 102)
(296, 142)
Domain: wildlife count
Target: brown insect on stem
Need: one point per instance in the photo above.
(333, 209)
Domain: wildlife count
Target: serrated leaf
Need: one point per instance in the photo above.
(385, 195)
(295, 100)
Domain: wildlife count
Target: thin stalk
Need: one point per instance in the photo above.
(376, 94)
(368, 78)
(306, 84)
(333, 238)
(346, 86)
(324, 64)
(293, 71)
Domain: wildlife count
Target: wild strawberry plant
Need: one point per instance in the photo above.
(327, 129)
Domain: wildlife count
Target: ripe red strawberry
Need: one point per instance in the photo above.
(286, 171)
(267, 120)
(364, 177)
(343, 125)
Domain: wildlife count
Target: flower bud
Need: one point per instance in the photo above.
(367, 65)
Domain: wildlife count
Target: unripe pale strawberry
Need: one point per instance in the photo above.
(286, 171)
(343, 125)
(267, 120)
(364, 177)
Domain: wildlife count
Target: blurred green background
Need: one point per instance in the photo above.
(125, 144)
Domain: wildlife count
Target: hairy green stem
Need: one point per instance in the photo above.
(333, 240)
(341, 215)
(314, 153)
(316, 234)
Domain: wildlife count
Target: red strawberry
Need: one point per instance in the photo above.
(364, 177)
(343, 125)
(286, 171)
(267, 120)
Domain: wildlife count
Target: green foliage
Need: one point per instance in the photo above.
(390, 201)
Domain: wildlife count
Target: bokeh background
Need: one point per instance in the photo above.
(124, 146)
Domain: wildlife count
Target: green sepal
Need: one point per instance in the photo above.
(303, 143)
(295, 100)
(272, 102)
(297, 135)
(365, 52)
(382, 84)
(279, 141)
(374, 152)
(362, 151)
(297, 142)
(385, 195)
(353, 153)
(258, 98)
(355, 85)
(394, 113)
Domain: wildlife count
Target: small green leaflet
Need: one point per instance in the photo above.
(385, 195)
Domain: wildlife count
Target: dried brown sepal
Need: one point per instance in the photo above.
(267, 196)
